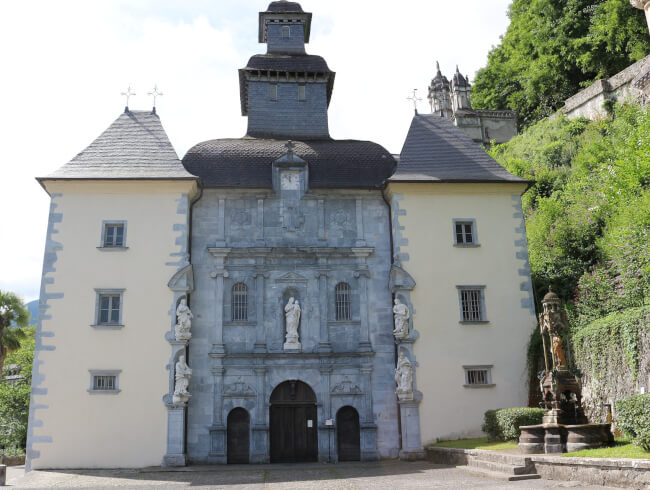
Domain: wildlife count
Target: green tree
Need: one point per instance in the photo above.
(553, 48)
(13, 316)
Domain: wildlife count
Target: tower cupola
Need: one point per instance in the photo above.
(285, 28)
(460, 91)
(439, 95)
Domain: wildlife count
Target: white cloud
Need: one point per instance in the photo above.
(65, 63)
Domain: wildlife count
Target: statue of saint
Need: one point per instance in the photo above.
(554, 321)
(401, 314)
(182, 375)
(292, 316)
(404, 377)
(184, 321)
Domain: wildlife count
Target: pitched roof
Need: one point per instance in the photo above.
(247, 162)
(135, 146)
(284, 6)
(437, 151)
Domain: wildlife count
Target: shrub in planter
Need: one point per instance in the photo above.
(633, 418)
(503, 424)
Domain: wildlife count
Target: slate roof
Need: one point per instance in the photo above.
(437, 151)
(246, 162)
(284, 6)
(135, 146)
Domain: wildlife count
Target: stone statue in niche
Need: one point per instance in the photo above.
(554, 321)
(401, 314)
(404, 378)
(184, 321)
(292, 316)
(182, 375)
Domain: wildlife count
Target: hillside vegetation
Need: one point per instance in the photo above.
(588, 224)
(554, 48)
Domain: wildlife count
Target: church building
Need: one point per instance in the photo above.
(280, 297)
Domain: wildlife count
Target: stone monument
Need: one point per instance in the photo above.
(564, 427)
(184, 321)
(292, 320)
(401, 314)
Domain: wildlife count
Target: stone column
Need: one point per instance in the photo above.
(367, 423)
(221, 224)
(175, 455)
(321, 219)
(260, 453)
(324, 344)
(260, 337)
(326, 433)
(410, 417)
(364, 333)
(260, 220)
(361, 239)
(217, 452)
(219, 273)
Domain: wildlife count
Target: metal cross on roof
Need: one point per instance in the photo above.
(415, 99)
(290, 146)
(155, 93)
(127, 94)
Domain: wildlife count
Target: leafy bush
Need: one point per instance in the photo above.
(633, 418)
(503, 424)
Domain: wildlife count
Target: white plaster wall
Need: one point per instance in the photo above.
(109, 430)
(448, 409)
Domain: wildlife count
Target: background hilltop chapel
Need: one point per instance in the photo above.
(165, 335)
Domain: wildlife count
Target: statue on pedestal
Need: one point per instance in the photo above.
(401, 314)
(404, 378)
(182, 375)
(184, 321)
(292, 319)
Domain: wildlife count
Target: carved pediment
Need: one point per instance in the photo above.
(183, 280)
(346, 387)
(400, 279)
(238, 388)
(291, 277)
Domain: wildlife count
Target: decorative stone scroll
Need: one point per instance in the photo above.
(239, 389)
(184, 321)
(401, 314)
(346, 387)
(404, 378)
(292, 313)
(182, 375)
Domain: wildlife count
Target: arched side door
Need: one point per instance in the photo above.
(348, 434)
(238, 436)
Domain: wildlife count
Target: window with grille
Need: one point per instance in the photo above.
(464, 233)
(240, 302)
(104, 383)
(472, 308)
(113, 235)
(478, 375)
(343, 303)
(109, 309)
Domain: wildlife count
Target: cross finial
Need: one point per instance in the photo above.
(290, 146)
(415, 100)
(155, 93)
(127, 94)
(438, 66)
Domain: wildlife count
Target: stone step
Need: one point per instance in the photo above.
(516, 459)
(508, 469)
(495, 475)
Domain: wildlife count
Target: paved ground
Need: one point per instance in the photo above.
(389, 475)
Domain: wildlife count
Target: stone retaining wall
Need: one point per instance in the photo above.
(12, 460)
(625, 473)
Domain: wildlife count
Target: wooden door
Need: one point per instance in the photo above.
(238, 436)
(294, 431)
(348, 434)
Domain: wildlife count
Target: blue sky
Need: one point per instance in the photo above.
(65, 64)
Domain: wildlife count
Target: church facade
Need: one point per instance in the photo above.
(256, 302)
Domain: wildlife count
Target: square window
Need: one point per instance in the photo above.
(104, 381)
(108, 309)
(113, 235)
(465, 232)
(302, 93)
(478, 376)
(472, 303)
(273, 91)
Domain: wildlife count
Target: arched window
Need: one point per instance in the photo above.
(240, 301)
(342, 295)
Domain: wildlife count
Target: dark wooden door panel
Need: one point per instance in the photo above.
(348, 434)
(238, 436)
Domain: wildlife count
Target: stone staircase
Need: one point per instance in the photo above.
(500, 466)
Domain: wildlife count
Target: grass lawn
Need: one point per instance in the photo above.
(480, 443)
(622, 449)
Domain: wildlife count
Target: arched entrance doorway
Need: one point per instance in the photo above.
(348, 434)
(294, 431)
(238, 436)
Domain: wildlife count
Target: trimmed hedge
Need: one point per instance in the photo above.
(633, 418)
(503, 424)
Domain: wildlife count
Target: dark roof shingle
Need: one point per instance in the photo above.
(135, 146)
(437, 151)
(246, 162)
